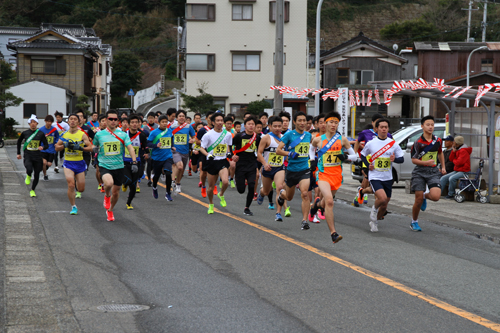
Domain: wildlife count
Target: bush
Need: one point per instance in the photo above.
(8, 127)
(119, 102)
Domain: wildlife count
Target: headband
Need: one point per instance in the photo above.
(332, 118)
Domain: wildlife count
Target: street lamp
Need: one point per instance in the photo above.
(318, 47)
(468, 67)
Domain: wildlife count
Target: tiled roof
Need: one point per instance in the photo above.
(454, 46)
(48, 44)
(360, 38)
(77, 30)
(18, 30)
(42, 81)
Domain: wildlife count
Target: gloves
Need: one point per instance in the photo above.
(134, 168)
(292, 155)
(341, 157)
(229, 155)
(95, 150)
(71, 145)
(76, 146)
(66, 144)
(210, 157)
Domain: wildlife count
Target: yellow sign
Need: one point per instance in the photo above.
(497, 134)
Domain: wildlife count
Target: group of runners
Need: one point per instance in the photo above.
(127, 148)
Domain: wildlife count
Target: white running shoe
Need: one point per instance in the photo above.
(373, 214)
(316, 220)
(373, 226)
(178, 188)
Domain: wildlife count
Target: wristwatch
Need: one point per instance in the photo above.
(134, 162)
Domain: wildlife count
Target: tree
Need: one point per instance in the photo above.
(127, 74)
(82, 103)
(202, 103)
(256, 107)
(406, 32)
(8, 77)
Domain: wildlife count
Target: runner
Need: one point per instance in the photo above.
(196, 120)
(383, 152)
(93, 123)
(33, 162)
(160, 141)
(150, 126)
(424, 154)
(87, 156)
(245, 144)
(52, 136)
(72, 142)
(195, 153)
(110, 145)
(61, 128)
(273, 169)
(285, 117)
(264, 117)
(139, 141)
(102, 127)
(228, 123)
(183, 136)
(216, 146)
(296, 143)
(202, 159)
(258, 130)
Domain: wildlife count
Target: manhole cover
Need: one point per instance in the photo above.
(122, 307)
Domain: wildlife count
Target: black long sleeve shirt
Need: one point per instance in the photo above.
(32, 148)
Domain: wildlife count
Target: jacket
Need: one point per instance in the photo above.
(461, 158)
(449, 164)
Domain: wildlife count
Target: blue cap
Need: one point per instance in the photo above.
(449, 138)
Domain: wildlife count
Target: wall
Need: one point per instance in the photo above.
(36, 93)
(146, 95)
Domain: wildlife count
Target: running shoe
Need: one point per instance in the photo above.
(365, 199)
(355, 201)
(278, 218)
(233, 185)
(189, 173)
(107, 202)
(321, 214)
(304, 225)
(138, 190)
(360, 195)
(150, 183)
(143, 175)
(271, 206)
(373, 214)
(255, 196)
(99, 187)
(424, 205)
(316, 220)
(415, 227)
(74, 211)
(32, 193)
(287, 212)
(222, 200)
(110, 216)
(260, 199)
(336, 237)
(124, 188)
(56, 169)
(155, 193)
(27, 181)
(281, 201)
(373, 226)
(200, 184)
(178, 188)
(274, 185)
(129, 207)
(168, 197)
(78, 195)
(215, 190)
(204, 191)
(102, 189)
(247, 212)
(210, 208)
(46, 178)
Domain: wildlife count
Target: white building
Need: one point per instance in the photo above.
(230, 50)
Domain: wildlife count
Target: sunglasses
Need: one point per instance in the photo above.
(113, 119)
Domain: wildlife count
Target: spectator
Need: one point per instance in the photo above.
(460, 156)
(448, 143)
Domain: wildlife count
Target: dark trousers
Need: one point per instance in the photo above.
(130, 180)
(240, 175)
(33, 165)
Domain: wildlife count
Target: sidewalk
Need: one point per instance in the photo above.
(482, 220)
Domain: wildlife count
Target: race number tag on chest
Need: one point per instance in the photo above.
(220, 150)
(166, 143)
(252, 148)
(432, 155)
(180, 139)
(302, 149)
(329, 158)
(111, 148)
(382, 164)
(33, 145)
(50, 139)
(136, 150)
(275, 160)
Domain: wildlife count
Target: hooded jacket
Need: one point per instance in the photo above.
(461, 158)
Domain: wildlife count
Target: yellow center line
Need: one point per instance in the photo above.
(410, 291)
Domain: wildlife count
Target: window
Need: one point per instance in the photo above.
(360, 77)
(40, 110)
(48, 65)
(242, 12)
(487, 65)
(246, 62)
(342, 75)
(415, 71)
(272, 11)
(200, 62)
(200, 12)
(221, 104)
(274, 58)
(239, 109)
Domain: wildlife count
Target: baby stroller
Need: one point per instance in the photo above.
(471, 185)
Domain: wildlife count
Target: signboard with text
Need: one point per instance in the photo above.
(343, 110)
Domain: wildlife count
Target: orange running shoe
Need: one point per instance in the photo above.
(204, 192)
(360, 195)
(215, 190)
(110, 216)
(107, 202)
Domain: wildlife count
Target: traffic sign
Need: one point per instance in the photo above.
(131, 92)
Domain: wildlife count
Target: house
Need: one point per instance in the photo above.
(67, 56)
(12, 34)
(230, 48)
(356, 63)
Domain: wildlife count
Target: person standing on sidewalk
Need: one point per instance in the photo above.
(33, 139)
(425, 154)
(460, 157)
(110, 145)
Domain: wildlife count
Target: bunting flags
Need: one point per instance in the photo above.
(369, 103)
(439, 84)
(377, 96)
(357, 97)
(461, 92)
(363, 97)
(352, 102)
(451, 92)
(388, 97)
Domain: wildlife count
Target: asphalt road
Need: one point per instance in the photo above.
(235, 273)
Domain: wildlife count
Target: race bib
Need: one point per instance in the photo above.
(33, 145)
(432, 155)
(111, 148)
(180, 139)
(220, 150)
(275, 160)
(70, 152)
(302, 149)
(136, 150)
(166, 143)
(329, 158)
(382, 164)
(196, 147)
(252, 148)
(50, 139)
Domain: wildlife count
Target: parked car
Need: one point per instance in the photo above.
(405, 138)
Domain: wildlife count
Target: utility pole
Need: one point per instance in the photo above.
(484, 19)
(318, 51)
(468, 25)
(278, 55)
(178, 43)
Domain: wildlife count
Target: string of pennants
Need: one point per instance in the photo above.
(364, 97)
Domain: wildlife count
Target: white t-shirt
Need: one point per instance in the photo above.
(65, 127)
(383, 164)
(221, 150)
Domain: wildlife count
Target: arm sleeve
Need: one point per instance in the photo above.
(201, 133)
(204, 141)
(191, 131)
(399, 160)
(19, 141)
(44, 141)
(236, 141)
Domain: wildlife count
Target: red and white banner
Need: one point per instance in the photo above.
(363, 97)
(377, 96)
(352, 101)
(388, 97)
(458, 94)
(369, 102)
(439, 84)
(357, 98)
(334, 94)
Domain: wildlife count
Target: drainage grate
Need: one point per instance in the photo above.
(122, 307)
